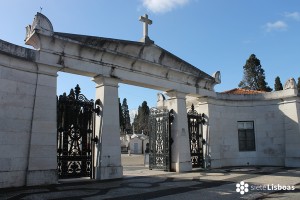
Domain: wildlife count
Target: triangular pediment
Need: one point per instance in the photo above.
(139, 63)
(139, 50)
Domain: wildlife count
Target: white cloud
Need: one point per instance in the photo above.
(162, 6)
(276, 26)
(293, 15)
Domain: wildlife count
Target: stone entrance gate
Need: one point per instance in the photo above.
(28, 87)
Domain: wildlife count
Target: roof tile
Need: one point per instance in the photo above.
(242, 91)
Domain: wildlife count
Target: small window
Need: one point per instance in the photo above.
(246, 136)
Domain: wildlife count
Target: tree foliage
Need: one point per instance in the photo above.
(121, 118)
(298, 84)
(254, 75)
(125, 124)
(278, 84)
(140, 122)
(126, 116)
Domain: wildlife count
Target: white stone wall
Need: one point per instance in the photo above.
(276, 126)
(16, 102)
(292, 131)
(43, 145)
(27, 121)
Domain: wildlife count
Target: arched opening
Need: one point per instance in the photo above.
(134, 141)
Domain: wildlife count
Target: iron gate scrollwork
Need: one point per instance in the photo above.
(75, 135)
(160, 139)
(195, 122)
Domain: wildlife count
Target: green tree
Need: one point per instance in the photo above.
(298, 84)
(140, 122)
(278, 84)
(143, 120)
(254, 75)
(135, 124)
(126, 116)
(121, 118)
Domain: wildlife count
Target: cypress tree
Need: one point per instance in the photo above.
(140, 122)
(121, 118)
(278, 84)
(126, 116)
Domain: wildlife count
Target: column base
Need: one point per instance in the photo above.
(12, 179)
(42, 177)
(109, 172)
(181, 167)
(292, 162)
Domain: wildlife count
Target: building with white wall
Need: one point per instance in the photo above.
(251, 129)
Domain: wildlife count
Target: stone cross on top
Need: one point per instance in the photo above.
(146, 21)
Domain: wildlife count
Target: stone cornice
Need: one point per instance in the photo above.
(17, 51)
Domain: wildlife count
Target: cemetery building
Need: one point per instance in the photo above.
(134, 143)
(45, 138)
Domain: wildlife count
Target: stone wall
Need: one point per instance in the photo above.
(27, 119)
(292, 132)
(276, 125)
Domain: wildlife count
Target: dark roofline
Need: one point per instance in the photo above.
(79, 36)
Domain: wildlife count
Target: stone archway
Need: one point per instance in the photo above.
(108, 62)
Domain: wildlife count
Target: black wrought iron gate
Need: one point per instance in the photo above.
(160, 139)
(75, 135)
(195, 122)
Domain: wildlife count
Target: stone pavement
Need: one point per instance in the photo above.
(141, 183)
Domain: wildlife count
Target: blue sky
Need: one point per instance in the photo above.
(210, 34)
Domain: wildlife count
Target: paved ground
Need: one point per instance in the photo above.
(141, 183)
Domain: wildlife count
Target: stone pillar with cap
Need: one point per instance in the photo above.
(181, 157)
(108, 151)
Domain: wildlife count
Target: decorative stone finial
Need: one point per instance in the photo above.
(217, 76)
(41, 24)
(146, 21)
(160, 101)
(290, 84)
(160, 97)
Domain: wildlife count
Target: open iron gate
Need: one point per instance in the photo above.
(75, 135)
(195, 122)
(160, 139)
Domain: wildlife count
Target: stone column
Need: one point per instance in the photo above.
(181, 157)
(42, 143)
(291, 111)
(108, 149)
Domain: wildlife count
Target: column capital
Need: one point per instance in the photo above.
(105, 81)
(173, 94)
